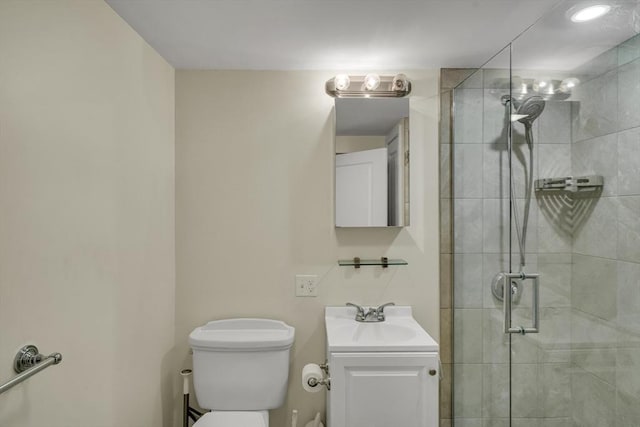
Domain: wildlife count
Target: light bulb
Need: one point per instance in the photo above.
(371, 81)
(400, 82)
(590, 13)
(539, 85)
(568, 84)
(341, 81)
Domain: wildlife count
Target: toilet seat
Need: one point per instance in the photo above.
(234, 419)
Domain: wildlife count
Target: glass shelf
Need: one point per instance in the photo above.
(383, 262)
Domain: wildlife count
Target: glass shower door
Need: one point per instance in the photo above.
(582, 368)
(481, 248)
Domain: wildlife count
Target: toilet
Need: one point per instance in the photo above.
(240, 370)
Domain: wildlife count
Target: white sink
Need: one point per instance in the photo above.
(398, 332)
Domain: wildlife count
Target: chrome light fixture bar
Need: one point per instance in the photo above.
(548, 89)
(369, 86)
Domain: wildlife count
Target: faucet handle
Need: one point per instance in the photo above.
(380, 310)
(360, 314)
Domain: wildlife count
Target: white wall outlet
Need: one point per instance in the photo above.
(306, 285)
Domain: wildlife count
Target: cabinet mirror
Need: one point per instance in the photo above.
(372, 162)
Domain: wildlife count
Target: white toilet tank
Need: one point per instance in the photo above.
(241, 364)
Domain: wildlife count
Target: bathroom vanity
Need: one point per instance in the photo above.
(382, 373)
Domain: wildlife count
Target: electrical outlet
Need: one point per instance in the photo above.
(306, 285)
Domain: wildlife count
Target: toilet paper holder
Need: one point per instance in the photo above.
(326, 381)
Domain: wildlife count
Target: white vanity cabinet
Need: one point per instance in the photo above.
(383, 390)
(383, 374)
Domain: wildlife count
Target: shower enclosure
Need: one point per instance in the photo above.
(545, 213)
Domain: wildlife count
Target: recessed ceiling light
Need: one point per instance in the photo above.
(591, 12)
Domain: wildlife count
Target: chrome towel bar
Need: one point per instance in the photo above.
(29, 362)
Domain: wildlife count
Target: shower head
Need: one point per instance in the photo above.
(526, 112)
(530, 108)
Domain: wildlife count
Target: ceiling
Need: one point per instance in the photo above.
(329, 34)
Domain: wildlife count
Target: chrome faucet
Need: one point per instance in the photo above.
(360, 313)
(379, 312)
(371, 314)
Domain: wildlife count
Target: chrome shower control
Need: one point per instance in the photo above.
(497, 290)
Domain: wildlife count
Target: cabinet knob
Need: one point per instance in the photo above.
(432, 372)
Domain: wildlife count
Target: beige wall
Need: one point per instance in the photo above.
(86, 216)
(350, 144)
(254, 207)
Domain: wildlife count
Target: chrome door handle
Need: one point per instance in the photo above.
(508, 303)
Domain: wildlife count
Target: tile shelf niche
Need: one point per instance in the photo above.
(384, 262)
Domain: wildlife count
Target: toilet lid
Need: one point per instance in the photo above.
(234, 419)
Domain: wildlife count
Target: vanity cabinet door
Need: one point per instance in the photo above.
(383, 390)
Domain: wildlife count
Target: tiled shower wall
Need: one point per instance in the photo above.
(583, 369)
(605, 291)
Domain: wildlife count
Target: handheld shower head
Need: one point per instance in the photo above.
(526, 113)
(531, 108)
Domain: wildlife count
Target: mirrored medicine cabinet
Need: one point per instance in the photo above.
(372, 162)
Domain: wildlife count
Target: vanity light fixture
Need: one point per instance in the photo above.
(590, 13)
(369, 86)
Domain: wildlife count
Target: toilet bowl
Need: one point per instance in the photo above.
(240, 370)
